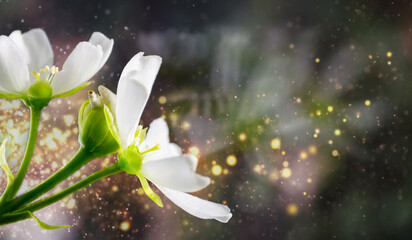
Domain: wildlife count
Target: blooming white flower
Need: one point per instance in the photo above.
(28, 58)
(153, 157)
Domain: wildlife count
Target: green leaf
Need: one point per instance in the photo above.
(111, 124)
(149, 192)
(45, 225)
(73, 91)
(3, 162)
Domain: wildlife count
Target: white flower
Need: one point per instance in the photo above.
(153, 157)
(27, 58)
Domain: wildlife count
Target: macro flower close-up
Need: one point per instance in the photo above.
(199, 119)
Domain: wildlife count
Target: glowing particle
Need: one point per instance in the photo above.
(217, 170)
(186, 125)
(140, 191)
(313, 150)
(292, 209)
(242, 137)
(162, 99)
(125, 226)
(367, 103)
(318, 112)
(344, 120)
(335, 153)
(71, 203)
(337, 132)
(115, 188)
(285, 164)
(389, 54)
(317, 60)
(286, 173)
(304, 193)
(330, 109)
(315, 135)
(68, 120)
(275, 143)
(370, 56)
(283, 153)
(309, 180)
(303, 155)
(194, 150)
(317, 130)
(330, 142)
(274, 175)
(231, 160)
(389, 63)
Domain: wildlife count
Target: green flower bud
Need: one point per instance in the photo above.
(94, 133)
(39, 94)
(130, 160)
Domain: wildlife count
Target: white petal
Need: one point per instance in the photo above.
(98, 38)
(133, 91)
(158, 134)
(177, 173)
(198, 207)
(79, 67)
(14, 74)
(36, 46)
(166, 151)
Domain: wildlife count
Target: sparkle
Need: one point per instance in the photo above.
(275, 143)
(318, 112)
(303, 155)
(162, 100)
(389, 54)
(337, 132)
(231, 160)
(367, 102)
(292, 209)
(330, 109)
(242, 137)
(71, 203)
(317, 60)
(313, 150)
(217, 170)
(286, 173)
(125, 226)
(194, 150)
(335, 153)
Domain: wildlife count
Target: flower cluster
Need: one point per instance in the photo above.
(108, 123)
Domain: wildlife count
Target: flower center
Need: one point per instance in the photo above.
(47, 73)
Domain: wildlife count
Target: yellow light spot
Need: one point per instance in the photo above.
(344, 120)
(285, 164)
(162, 100)
(317, 130)
(231, 160)
(242, 137)
(337, 132)
(367, 103)
(140, 191)
(315, 135)
(286, 173)
(275, 143)
(274, 175)
(317, 60)
(304, 193)
(330, 109)
(389, 63)
(283, 153)
(186, 125)
(389, 54)
(335, 153)
(309, 180)
(115, 188)
(318, 112)
(125, 226)
(370, 56)
(313, 150)
(217, 170)
(194, 150)
(292, 209)
(71, 203)
(330, 142)
(303, 155)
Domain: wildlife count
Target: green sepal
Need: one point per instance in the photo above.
(9, 95)
(112, 125)
(3, 162)
(130, 160)
(73, 91)
(82, 113)
(149, 192)
(45, 225)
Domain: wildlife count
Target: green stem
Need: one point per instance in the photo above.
(14, 187)
(81, 158)
(22, 213)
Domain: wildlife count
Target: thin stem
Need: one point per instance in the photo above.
(22, 213)
(81, 158)
(14, 187)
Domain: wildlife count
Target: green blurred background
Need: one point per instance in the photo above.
(298, 111)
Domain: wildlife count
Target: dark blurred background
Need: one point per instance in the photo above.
(297, 110)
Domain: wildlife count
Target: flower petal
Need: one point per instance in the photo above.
(79, 67)
(158, 134)
(177, 173)
(36, 46)
(98, 38)
(197, 207)
(14, 74)
(166, 151)
(133, 92)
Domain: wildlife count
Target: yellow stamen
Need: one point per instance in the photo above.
(155, 147)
